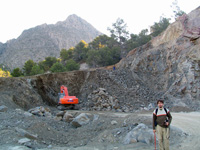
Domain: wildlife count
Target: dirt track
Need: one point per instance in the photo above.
(189, 123)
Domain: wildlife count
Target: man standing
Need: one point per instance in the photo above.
(161, 121)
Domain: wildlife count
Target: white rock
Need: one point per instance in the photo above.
(113, 122)
(3, 108)
(27, 114)
(24, 140)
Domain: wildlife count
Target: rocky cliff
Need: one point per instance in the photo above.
(46, 40)
(170, 63)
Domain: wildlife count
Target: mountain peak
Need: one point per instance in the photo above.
(72, 16)
(46, 40)
(73, 21)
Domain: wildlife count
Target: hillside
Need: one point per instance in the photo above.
(46, 40)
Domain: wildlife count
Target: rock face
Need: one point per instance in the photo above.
(170, 64)
(46, 40)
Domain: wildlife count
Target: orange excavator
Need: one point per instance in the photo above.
(65, 99)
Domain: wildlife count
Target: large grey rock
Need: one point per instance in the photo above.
(141, 133)
(60, 113)
(80, 120)
(24, 140)
(67, 117)
(3, 108)
(24, 133)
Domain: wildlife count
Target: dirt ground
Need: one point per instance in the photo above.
(99, 134)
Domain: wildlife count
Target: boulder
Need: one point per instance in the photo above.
(80, 120)
(56, 118)
(141, 133)
(24, 133)
(60, 113)
(67, 117)
(113, 122)
(24, 140)
(27, 114)
(3, 108)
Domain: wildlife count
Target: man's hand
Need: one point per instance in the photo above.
(154, 131)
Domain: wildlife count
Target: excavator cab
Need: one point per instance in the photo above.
(64, 97)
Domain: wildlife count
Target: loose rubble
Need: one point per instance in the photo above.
(100, 100)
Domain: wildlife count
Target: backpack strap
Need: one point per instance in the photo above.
(156, 111)
(164, 109)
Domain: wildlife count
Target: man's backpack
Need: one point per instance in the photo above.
(157, 112)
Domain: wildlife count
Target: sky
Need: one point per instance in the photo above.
(19, 15)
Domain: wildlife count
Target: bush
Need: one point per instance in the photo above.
(4, 73)
(28, 67)
(72, 65)
(17, 72)
(36, 70)
(57, 67)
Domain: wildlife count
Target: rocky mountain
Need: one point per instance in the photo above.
(46, 40)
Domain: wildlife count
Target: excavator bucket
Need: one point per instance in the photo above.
(64, 97)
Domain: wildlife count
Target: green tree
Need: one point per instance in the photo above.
(36, 70)
(103, 57)
(72, 65)
(115, 55)
(93, 58)
(103, 41)
(176, 9)
(138, 40)
(143, 37)
(106, 57)
(159, 27)
(132, 42)
(28, 67)
(119, 31)
(57, 67)
(63, 54)
(80, 51)
(66, 54)
(47, 63)
(17, 72)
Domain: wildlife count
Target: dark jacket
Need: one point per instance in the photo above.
(161, 117)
